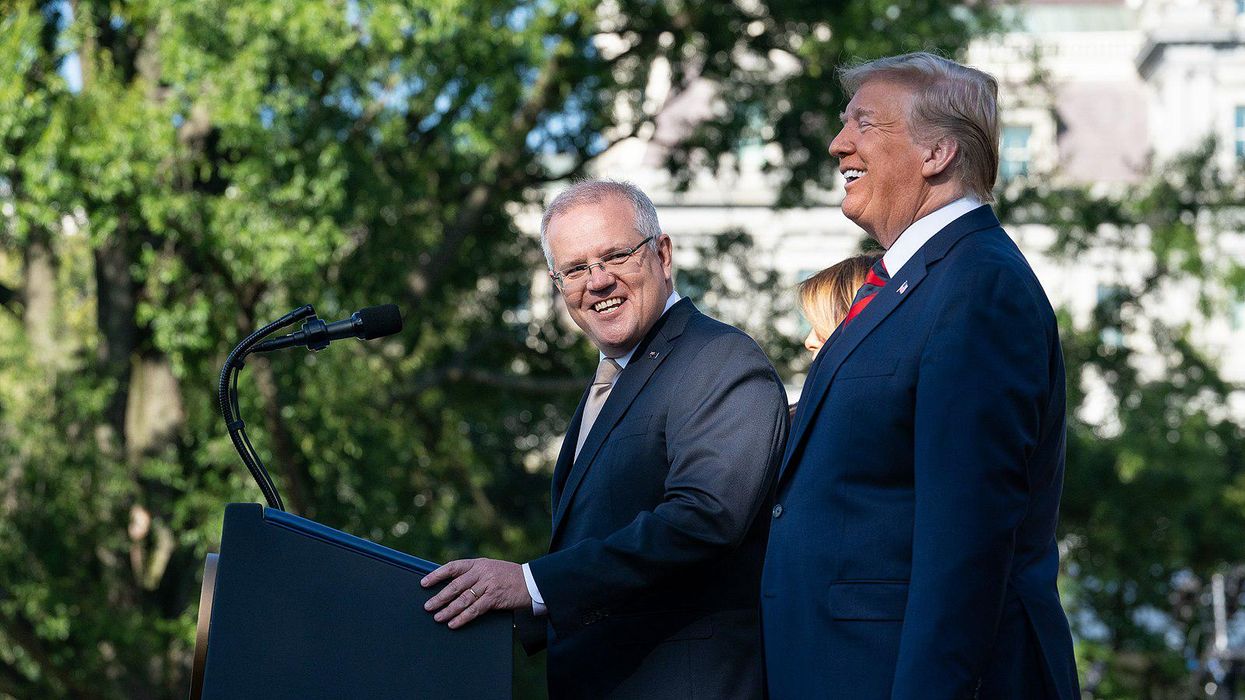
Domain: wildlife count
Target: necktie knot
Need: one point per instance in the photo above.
(878, 274)
(875, 280)
(607, 371)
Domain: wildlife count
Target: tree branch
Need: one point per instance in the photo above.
(23, 634)
(420, 137)
(493, 178)
(10, 300)
(116, 303)
(298, 472)
(13, 683)
(534, 385)
(583, 158)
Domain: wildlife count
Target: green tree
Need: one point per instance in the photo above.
(174, 173)
(1154, 501)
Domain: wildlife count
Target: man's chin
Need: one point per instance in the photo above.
(857, 216)
(612, 344)
(853, 213)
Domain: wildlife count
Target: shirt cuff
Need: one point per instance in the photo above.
(538, 603)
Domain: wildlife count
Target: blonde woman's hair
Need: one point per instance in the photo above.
(826, 297)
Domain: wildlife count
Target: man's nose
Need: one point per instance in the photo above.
(840, 145)
(599, 277)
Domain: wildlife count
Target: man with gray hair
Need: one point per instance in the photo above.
(912, 549)
(651, 585)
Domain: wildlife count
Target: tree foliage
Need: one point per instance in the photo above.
(175, 173)
(1154, 501)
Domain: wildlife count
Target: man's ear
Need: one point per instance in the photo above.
(665, 252)
(938, 157)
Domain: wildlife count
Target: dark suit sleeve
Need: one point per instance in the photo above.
(726, 425)
(531, 630)
(984, 387)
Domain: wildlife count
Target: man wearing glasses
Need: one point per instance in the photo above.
(651, 583)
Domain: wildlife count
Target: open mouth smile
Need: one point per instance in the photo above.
(608, 306)
(851, 175)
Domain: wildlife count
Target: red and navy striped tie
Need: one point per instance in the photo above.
(874, 281)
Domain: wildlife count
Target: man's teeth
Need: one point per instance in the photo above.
(853, 175)
(607, 304)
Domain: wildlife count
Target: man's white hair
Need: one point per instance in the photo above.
(593, 192)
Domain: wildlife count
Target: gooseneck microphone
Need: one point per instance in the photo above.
(315, 334)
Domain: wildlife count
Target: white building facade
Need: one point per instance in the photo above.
(1123, 83)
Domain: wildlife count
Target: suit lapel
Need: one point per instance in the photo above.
(649, 355)
(566, 456)
(844, 340)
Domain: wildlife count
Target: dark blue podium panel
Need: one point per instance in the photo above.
(300, 610)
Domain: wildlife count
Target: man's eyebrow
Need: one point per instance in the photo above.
(856, 112)
(583, 261)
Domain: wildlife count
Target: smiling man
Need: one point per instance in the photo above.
(651, 584)
(912, 552)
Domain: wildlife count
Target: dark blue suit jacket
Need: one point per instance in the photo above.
(653, 576)
(912, 553)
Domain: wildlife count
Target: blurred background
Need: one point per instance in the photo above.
(176, 173)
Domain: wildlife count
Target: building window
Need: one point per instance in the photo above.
(804, 326)
(1239, 134)
(755, 133)
(1110, 299)
(1015, 153)
(1240, 7)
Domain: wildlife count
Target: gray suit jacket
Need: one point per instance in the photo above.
(652, 580)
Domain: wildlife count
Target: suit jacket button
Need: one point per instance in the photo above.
(778, 510)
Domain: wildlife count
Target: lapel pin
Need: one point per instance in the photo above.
(903, 287)
(652, 355)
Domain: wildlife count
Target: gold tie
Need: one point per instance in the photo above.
(607, 371)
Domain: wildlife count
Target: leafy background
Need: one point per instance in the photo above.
(174, 173)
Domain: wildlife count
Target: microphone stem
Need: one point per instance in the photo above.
(227, 395)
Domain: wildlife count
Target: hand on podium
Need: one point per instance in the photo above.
(475, 586)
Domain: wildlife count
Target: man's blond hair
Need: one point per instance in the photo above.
(950, 101)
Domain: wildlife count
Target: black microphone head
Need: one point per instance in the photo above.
(379, 321)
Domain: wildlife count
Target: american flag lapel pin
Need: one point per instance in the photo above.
(903, 287)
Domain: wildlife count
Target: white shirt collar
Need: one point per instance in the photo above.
(923, 229)
(670, 301)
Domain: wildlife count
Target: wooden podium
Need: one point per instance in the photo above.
(299, 610)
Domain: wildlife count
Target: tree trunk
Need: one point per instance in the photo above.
(115, 301)
(288, 462)
(39, 300)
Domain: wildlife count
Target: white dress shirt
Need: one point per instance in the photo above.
(923, 229)
(538, 601)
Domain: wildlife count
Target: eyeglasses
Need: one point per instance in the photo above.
(610, 262)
